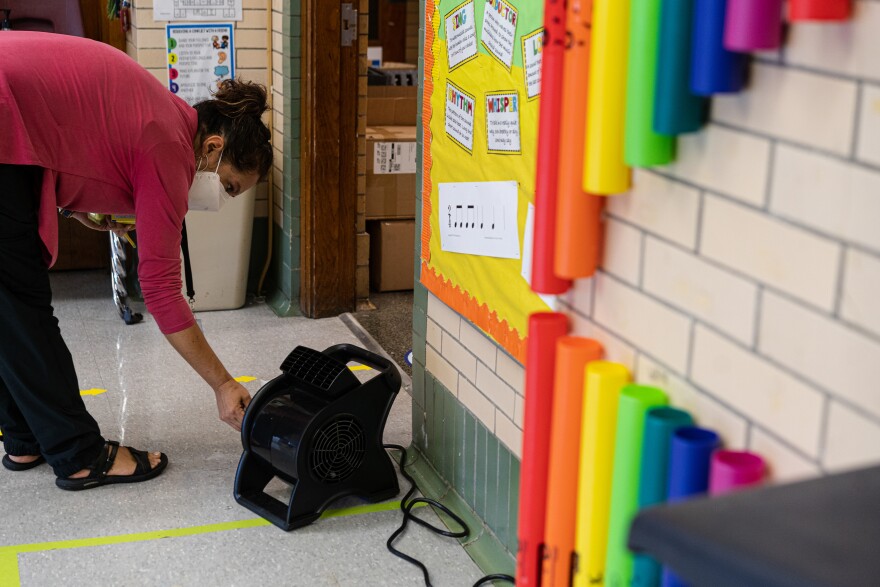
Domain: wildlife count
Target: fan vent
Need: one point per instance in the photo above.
(337, 449)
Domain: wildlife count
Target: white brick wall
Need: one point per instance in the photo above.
(803, 107)
(782, 256)
(745, 278)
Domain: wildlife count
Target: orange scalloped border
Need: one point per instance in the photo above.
(427, 163)
(452, 295)
(480, 314)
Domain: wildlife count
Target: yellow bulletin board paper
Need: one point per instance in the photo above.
(491, 292)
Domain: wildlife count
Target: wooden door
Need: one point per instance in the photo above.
(329, 157)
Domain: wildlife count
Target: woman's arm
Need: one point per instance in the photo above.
(232, 397)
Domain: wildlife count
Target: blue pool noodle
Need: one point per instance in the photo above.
(660, 425)
(714, 69)
(677, 109)
(689, 457)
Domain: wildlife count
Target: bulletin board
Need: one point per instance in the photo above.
(480, 115)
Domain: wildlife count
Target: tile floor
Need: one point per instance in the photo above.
(154, 401)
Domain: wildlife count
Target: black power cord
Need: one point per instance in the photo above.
(407, 505)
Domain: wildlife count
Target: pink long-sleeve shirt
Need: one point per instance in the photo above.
(112, 139)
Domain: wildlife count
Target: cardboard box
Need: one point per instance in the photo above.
(391, 172)
(392, 106)
(392, 253)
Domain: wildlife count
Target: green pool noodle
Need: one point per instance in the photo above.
(642, 146)
(634, 403)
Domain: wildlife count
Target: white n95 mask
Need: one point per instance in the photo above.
(207, 193)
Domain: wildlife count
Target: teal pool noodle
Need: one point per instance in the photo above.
(660, 425)
(632, 410)
(642, 146)
(677, 110)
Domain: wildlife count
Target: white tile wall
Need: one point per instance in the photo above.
(493, 386)
(445, 316)
(799, 106)
(868, 146)
(839, 198)
(615, 348)
(784, 465)
(853, 440)
(477, 343)
(509, 433)
(716, 296)
(723, 160)
(706, 412)
(643, 321)
(441, 369)
(481, 406)
(823, 350)
(861, 290)
(660, 206)
(510, 371)
(623, 252)
(459, 356)
(754, 387)
(782, 256)
(848, 48)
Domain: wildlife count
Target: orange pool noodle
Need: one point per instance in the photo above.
(578, 213)
(572, 355)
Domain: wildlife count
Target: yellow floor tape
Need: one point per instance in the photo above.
(10, 577)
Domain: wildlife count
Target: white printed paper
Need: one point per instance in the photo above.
(533, 51)
(461, 35)
(200, 56)
(502, 122)
(460, 108)
(394, 157)
(198, 10)
(480, 218)
(528, 256)
(499, 30)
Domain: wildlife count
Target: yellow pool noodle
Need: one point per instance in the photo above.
(603, 382)
(605, 172)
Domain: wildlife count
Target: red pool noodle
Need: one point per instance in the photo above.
(544, 280)
(545, 328)
(819, 9)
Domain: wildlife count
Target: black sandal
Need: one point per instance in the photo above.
(13, 466)
(104, 463)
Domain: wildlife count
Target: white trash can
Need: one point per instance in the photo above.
(219, 250)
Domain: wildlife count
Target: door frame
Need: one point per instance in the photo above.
(329, 159)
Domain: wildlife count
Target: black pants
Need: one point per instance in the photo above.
(41, 411)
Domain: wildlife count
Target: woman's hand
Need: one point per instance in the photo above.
(232, 400)
(107, 225)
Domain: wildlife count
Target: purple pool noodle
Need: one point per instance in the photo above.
(753, 25)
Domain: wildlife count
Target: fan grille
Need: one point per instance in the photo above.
(337, 449)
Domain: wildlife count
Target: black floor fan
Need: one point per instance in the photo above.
(318, 428)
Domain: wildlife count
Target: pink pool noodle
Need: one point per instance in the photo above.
(753, 25)
(731, 470)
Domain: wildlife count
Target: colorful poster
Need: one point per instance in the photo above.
(502, 122)
(533, 51)
(200, 56)
(461, 29)
(499, 30)
(460, 107)
(480, 137)
(197, 10)
(480, 218)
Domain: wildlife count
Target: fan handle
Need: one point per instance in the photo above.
(348, 352)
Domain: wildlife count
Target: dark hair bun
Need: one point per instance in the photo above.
(236, 98)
